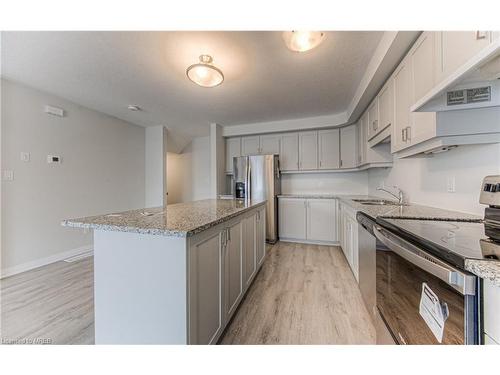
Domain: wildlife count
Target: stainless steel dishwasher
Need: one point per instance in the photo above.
(368, 245)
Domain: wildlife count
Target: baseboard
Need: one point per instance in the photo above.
(44, 261)
(310, 242)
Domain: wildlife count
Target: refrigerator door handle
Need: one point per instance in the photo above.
(249, 181)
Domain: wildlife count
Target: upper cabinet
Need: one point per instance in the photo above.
(373, 119)
(289, 153)
(402, 102)
(308, 150)
(423, 60)
(270, 144)
(250, 145)
(348, 148)
(233, 149)
(454, 48)
(386, 106)
(329, 149)
(362, 141)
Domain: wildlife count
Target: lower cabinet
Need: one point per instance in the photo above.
(348, 228)
(308, 220)
(223, 262)
(491, 306)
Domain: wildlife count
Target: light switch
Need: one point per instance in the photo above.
(8, 175)
(25, 156)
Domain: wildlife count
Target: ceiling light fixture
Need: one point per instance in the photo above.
(301, 41)
(205, 73)
(134, 107)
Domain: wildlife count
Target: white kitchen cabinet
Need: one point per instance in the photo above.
(320, 223)
(206, 294)
(260, 236)
(233, 288)
(348, 147)
(362, 139)
(289, 152)
(491, 307)
(292, 218)
(385, 106)
(423, 62)
(308, 150)
(250, 145)
(349, 237)
(329, 149)
(249, 248)
(373, 119)
(455, 48)
(270, 144)
(233, 149)
(402, 102)
(308, 220)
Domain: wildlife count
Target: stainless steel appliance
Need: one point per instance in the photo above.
(257, 177)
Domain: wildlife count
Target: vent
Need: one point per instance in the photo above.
(468, 96)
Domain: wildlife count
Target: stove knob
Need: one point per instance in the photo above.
(487, 187)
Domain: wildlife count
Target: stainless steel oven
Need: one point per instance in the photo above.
(402, 269)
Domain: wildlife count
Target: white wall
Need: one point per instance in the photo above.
(102, 170)
(195, 170)
(327, 183)
(156, 166)
(424, 180)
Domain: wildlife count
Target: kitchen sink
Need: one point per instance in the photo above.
(378, 202)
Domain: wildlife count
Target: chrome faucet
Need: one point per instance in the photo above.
(399, 196)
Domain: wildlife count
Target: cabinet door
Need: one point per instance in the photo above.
(455, 48)
(261, 236)
(329, 149)
(232, 268)
(205, 289)
(348, 147)
(363, 140)
(402, 95)
(422, 66)
(289, 152)
(250, 145)
(321, 224)
(386, 106)
(270, 144)
(249, 265)
(373, 119)
(292, 218)
(233, 149)
(308, 150)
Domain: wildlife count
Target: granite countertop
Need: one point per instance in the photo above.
(488, 269)
(309, 196)
(177, 220)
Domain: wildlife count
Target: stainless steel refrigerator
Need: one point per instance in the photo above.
(258, 177)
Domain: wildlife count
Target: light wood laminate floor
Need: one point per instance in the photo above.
(304, 294)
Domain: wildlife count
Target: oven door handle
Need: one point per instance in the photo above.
(463, 283)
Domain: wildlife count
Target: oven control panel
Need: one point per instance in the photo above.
(490, 191)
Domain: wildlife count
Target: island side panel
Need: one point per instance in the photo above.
(139, 288)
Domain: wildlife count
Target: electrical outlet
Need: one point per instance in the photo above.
(8, 175)
(25, 156)
(450, 184)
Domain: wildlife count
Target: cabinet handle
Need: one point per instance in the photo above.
(228, 234)
(341, 163)
(408, 133)
(376, 124)
(403, 135)
(320, 163)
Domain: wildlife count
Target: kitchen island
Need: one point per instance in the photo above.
(174, 274)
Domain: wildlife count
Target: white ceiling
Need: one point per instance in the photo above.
(264, 81)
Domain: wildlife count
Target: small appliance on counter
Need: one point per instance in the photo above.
(257, 177)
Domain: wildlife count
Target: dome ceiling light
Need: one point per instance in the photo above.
(205, 73)
(302, 41)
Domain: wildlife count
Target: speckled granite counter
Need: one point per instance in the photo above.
(179, 220)
(485, 269)
(411, 211)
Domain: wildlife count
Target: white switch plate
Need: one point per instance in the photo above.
(25, 156)
(8, 175)
(450, 184)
